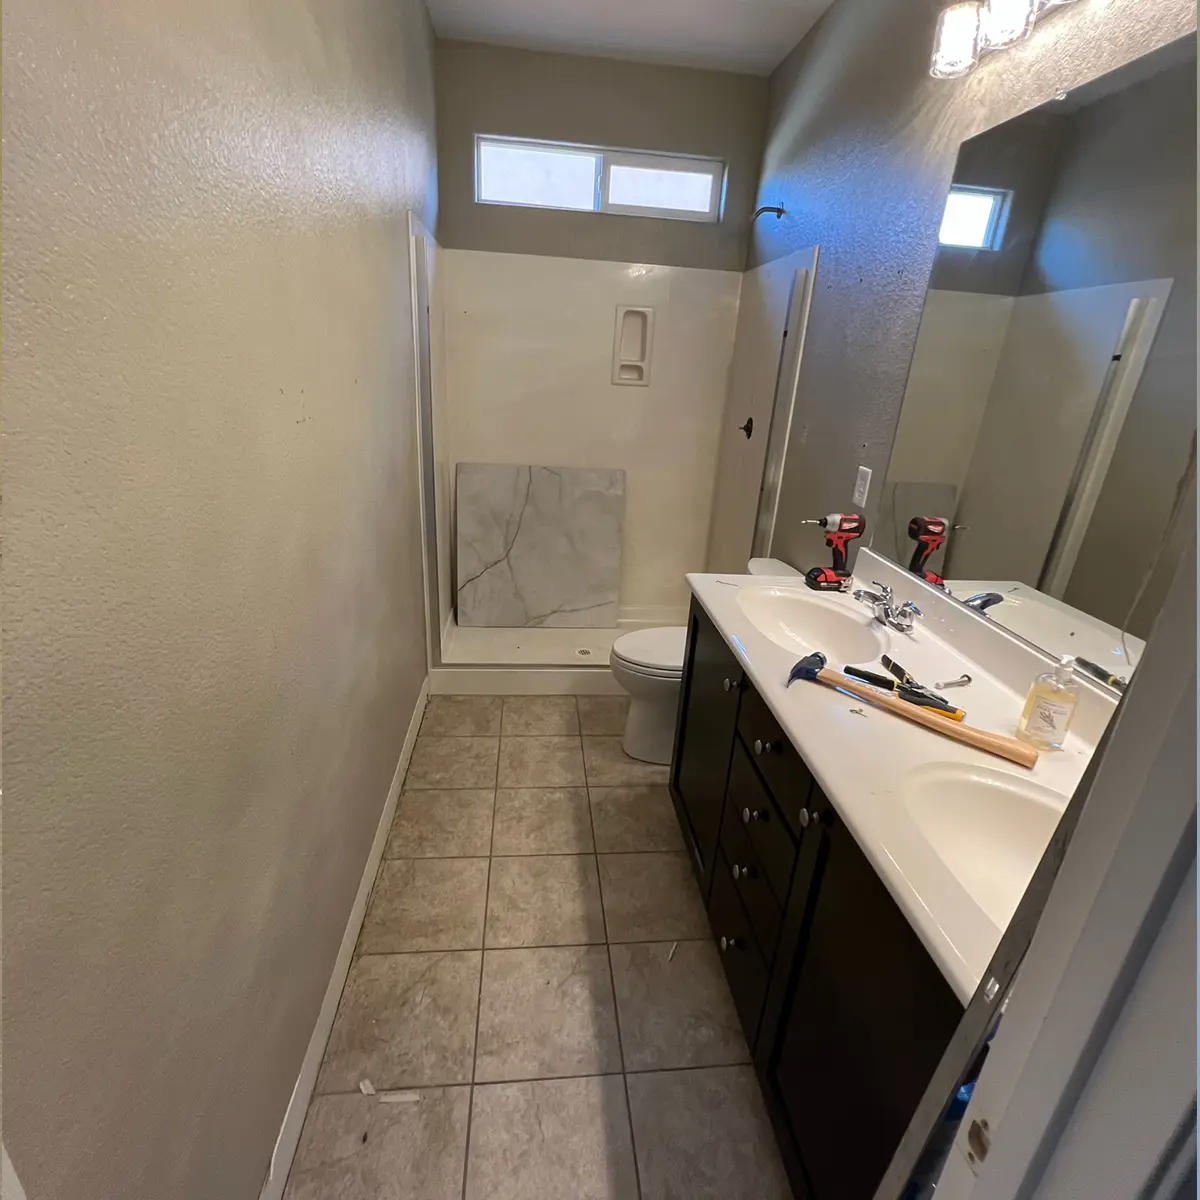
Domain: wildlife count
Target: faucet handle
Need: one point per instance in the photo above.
(884, 590)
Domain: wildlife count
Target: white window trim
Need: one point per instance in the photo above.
(994, 240)
(606, 159)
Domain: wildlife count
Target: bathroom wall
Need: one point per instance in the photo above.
(601, 102)
(861, 149)
(1124, 209)
(528, 352)
(212, 558)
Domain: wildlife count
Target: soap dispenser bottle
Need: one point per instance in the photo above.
(1050, 706)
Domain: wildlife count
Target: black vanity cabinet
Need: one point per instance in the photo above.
(862, 1021)
(845, 1012)
(708, 709)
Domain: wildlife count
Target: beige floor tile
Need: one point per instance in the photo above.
(355, 1148)
(676, 1011)
(603, 716)
(651, 898)
(704, 1133)
(608, 765)
(558, 1139)
(540, 762)
(542, 821)
(634, 818)
(551, 900)
(462, 716)
(453, 762)
(540, 716)
(442, 823)
(426, 904)
(405, 1020)
(546, 1012)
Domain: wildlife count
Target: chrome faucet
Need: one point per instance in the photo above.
(982, 601)
(882, 604)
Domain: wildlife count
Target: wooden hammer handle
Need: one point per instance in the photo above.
(982, 739)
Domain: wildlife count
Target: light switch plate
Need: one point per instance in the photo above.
(862, 485)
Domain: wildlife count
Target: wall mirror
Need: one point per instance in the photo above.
(1049, 418)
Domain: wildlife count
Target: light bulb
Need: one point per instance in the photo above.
(956, 44)
(1005, 22)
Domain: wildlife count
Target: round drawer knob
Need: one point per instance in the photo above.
(728, 684)
(740, 872)
(729, 943)
(752, 814)
(804, 818)
(761, 747)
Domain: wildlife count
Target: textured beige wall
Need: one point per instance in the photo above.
(861, 148)
(599, 102)
(212, 609)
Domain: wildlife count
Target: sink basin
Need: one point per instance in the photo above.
(989, 828)
(804, 621)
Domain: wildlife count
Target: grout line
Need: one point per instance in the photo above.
(612, 984)
(487, 900)
(637, 1171)
(462, 1083)
(658, 941)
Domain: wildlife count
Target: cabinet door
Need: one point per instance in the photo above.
(704, 731)
(864, 1025)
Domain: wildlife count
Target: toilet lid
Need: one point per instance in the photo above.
(659, 649)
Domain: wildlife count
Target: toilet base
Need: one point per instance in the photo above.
(650, 730)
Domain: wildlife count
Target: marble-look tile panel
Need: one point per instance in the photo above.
(538, 546)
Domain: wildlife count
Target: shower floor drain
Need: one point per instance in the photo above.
(584, 652)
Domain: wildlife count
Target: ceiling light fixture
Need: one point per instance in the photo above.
(967, 31)
(1003, 23)
(956, 46)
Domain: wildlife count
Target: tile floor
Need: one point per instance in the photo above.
(515, 988)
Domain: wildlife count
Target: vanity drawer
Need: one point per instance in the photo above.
(754, 809)
(775, 756)
(744, 967)
(750, 882)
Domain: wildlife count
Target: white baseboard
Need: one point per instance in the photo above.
(523, 681)
(297, 1109)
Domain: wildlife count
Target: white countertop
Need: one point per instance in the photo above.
(861, 760)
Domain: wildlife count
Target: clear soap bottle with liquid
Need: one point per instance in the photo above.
(1050, 706)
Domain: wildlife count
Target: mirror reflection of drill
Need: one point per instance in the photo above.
(840, 530)
(930, 535)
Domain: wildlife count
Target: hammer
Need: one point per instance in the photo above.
(813, 668)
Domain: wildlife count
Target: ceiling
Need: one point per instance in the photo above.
(750, 36)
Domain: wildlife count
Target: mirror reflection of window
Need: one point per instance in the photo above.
(1050, 410)
(974, 218)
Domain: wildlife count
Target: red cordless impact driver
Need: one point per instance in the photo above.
(840, 530)
(930, 535)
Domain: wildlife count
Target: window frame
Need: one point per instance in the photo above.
(997, 222)
(608, 157)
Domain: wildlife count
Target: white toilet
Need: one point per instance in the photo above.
(648, 664)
